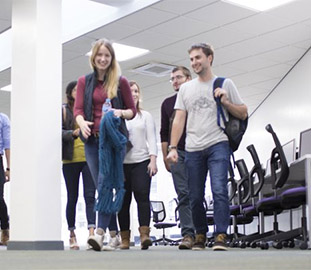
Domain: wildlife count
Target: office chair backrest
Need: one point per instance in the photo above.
(279, 166)
(243, 183)
(257, 174)
(232, 185)
(158, 211)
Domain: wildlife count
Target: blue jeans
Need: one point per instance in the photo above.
(179, 174)
(91, 154)
(72, 173)
(214, 159)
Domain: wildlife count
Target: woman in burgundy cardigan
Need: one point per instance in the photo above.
(92, 91)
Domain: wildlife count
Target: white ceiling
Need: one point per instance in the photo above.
(255, 49)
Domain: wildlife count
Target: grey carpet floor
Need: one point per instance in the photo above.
(158, 257)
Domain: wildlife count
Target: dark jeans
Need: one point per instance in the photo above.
(138, 181)
(214, 159)
(4, 218)
(72, 172)
(179, 174)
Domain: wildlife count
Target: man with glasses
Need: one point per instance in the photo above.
(4, 175)
(179, 75)
(207, 147)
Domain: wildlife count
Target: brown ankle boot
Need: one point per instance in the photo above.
(144, 237)
(125, 239)
(5, 236)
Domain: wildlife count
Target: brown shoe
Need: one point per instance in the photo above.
(5, 237)
(125, 239)
(220, 242)
(199, 242)
(186, 243)
(145, 241)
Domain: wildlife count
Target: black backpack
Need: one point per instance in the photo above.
(234, 127)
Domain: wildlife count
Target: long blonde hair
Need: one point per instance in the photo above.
(113, 73)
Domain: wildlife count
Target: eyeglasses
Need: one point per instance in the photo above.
(178, 77)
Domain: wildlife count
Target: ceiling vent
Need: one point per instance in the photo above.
(154, 69)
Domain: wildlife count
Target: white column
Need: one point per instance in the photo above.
(35, 214)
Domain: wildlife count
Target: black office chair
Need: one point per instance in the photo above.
(158, 216)
(279, 176)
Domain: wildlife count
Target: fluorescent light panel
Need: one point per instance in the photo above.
(7, 88)
(125, 52)
(260, 5)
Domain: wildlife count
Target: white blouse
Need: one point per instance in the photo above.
(142, 134)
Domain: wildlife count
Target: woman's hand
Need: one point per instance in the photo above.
(85, 128)
(152, 166)
(76, 132)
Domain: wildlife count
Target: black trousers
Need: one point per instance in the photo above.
(4, 218)
(137, 181)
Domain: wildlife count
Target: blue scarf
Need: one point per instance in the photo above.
(111, 179)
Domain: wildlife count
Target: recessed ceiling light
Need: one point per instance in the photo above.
(260, 5)
(7, 88)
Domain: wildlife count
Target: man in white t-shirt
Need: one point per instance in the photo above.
(207, 147)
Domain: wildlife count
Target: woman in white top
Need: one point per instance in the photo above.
(139, 167)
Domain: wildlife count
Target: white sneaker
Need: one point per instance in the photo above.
(114, 242)
(96, 241)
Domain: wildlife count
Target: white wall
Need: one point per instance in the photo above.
(287, 109)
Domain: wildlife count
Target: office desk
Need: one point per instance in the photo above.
(299, 173)
(300, 169)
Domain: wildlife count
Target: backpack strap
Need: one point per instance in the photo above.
(220, 113)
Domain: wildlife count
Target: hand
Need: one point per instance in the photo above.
(76, 132)
(117, 113)
(167, 164)
(222, 94)
(85, 128)
(7, 176)
(172, 156)
(152, 168)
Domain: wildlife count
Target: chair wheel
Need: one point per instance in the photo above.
(278, 245)
(303, 246)
(253, 245)
(242, 245)
(264, 245)
(291, 244)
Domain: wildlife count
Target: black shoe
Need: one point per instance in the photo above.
(220, 242)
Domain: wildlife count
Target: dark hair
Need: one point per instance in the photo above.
(69, 88)
(138, 108)
(184, 70)
(206, 48)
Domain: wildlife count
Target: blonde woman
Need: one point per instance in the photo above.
(92, 91)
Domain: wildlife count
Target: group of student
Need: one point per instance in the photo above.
(192, 145)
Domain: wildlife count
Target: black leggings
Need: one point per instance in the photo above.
(138, 181)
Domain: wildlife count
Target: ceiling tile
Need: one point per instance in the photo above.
(182, 27)
(220, 13)
(182, 6)
(149, 16)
